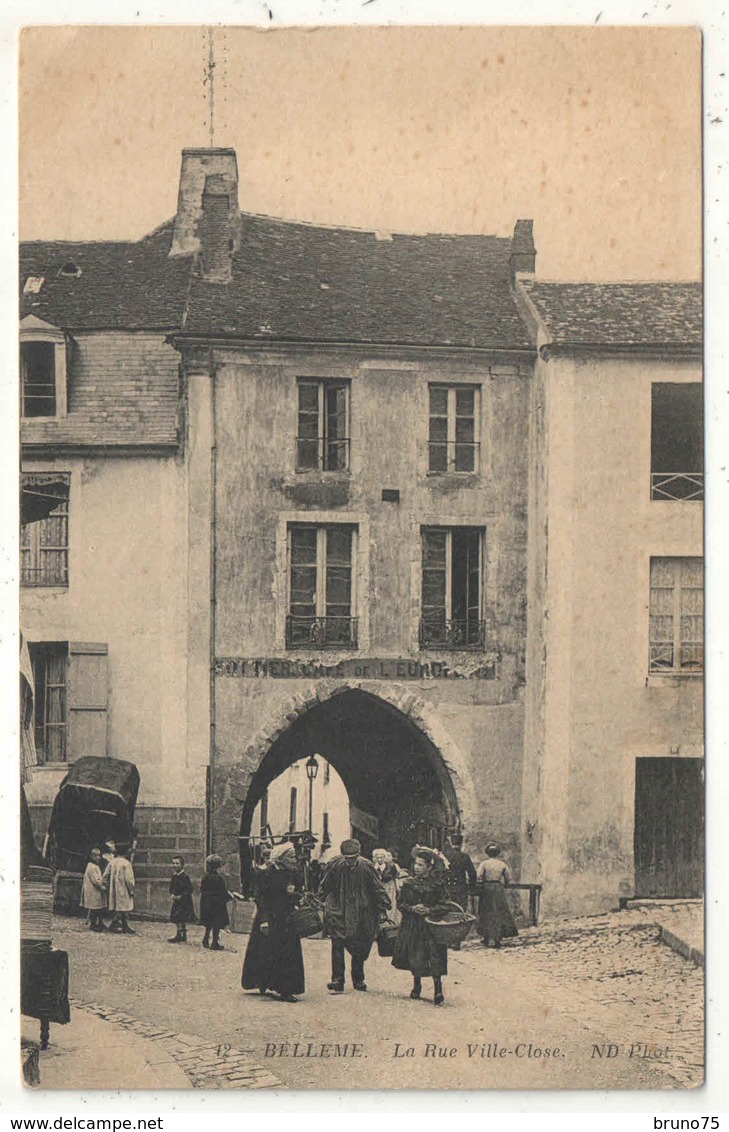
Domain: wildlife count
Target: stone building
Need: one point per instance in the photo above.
(613, 769)
(347, 493)
(108, 587)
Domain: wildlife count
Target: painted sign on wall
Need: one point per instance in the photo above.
(386, 668)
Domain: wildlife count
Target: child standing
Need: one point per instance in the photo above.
(93, 892)
(182, 911)
(214, 897)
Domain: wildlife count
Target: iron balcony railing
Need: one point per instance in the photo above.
(321, 632)
(453, 456)
(459, 634)
(677, 485)
(322, 454)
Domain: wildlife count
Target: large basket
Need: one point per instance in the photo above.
(307, 919)
(386, 940)
(452, 927)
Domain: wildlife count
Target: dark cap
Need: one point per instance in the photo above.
(350, 848)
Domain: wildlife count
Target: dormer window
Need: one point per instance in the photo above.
(38, 378)
(42, 369)
(70, 269)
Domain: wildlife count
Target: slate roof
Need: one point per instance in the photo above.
(299, 282)
(619, 314)
(130, 285)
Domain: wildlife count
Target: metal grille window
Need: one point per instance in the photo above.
(320, 587)
(677, 440)
(452, 445)
(44, 543)
(452, 588)
(677, 615)
(38, 379)
(50, 677)
(322, 442)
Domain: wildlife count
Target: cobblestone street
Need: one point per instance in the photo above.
(615, 1009)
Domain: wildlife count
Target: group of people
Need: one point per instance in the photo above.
(359, 899)
(108, 889)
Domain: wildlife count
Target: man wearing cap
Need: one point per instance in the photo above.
(354, 902)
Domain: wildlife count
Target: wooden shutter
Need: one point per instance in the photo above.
(87, 700)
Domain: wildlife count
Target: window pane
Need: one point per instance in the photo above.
(339, 546)
(308, 426)
(38, 377)
(677, 428)
(465, 401)
(309, 397)
(438, 430)
(303, 545)
(336, 409)
(434, 547)
(307, 455)
(438, 401)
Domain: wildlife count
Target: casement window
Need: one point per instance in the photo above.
(326, 837)
(50, 680)
(452, 444)
(44, 543)
(70, 699)
(38, 379)
(677, 440)
(321, 587)
(676, 615)
(292, 810)
(42, 369)
(322, 441)
(452, 587)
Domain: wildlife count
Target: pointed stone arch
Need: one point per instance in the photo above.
(447, 758)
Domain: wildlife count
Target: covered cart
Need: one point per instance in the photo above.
(95, 802)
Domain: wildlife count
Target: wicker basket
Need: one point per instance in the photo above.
(306, 920)
(386, 940)
(452, 927)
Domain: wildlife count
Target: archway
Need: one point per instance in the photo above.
(400, 789)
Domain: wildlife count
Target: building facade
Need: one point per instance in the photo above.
(613, 769)
(379, 498)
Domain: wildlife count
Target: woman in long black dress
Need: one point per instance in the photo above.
(274, 960)
(423, 894)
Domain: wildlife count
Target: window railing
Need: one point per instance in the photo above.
(321, 632)
(49, 574)
(319, 454)
(452, 456)
(677, 485)
(669, 658)
(459, 634)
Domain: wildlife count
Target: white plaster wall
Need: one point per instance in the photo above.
(602, 708)
(128, 588)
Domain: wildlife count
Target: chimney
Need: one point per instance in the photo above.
(523, 253)
(207, 223)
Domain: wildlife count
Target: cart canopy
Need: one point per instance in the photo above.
(95, 802)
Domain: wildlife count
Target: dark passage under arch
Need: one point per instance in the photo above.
(391, 769)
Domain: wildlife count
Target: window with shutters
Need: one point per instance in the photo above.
(321, 598)
(453, 428)
(452, 588)
(322, 440)
(677, 440)
(50, 678)
(676, 615)
(44, 543)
